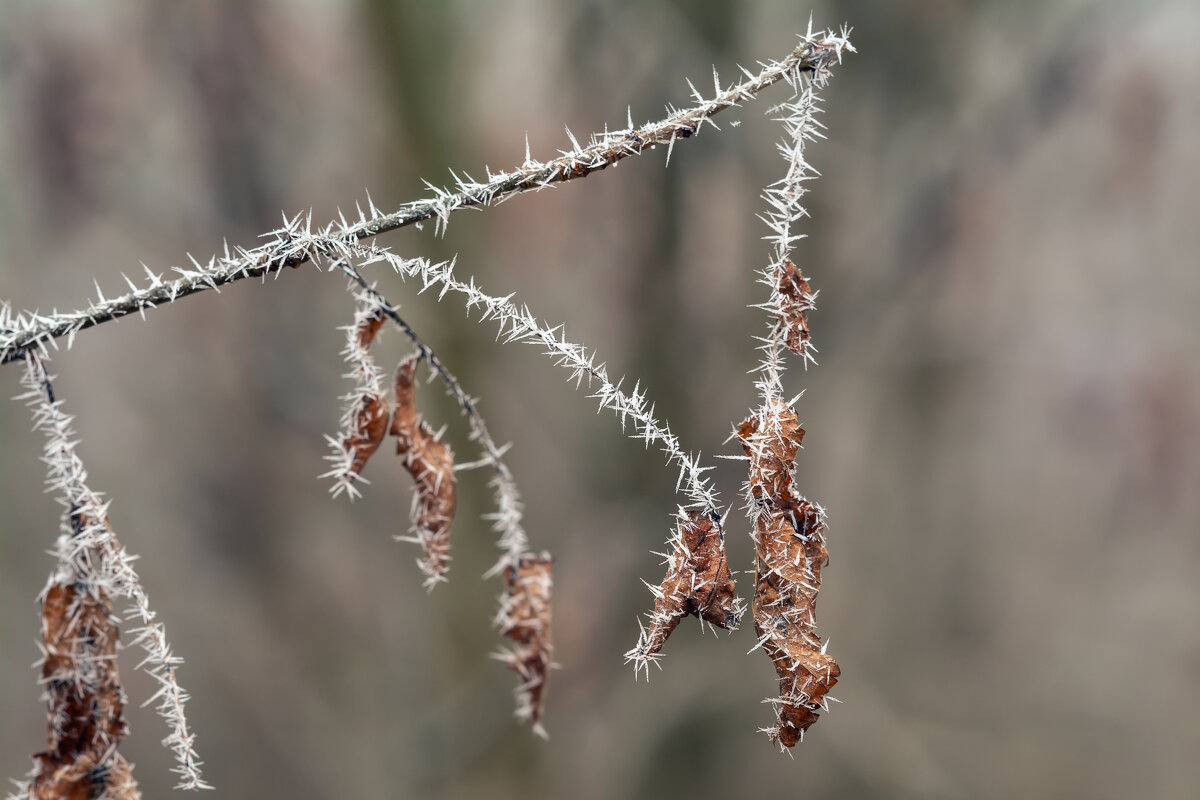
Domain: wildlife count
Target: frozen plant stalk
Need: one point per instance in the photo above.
(80, 634)
(788, 531)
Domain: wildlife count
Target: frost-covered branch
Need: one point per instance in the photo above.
(80, 632)
(791, 297)
(91, 560)
(518, 324)
(22, 330)
(788, 531)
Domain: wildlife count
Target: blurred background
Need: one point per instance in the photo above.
(1005, 426)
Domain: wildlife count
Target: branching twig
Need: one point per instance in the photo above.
(520, 325)
(20, 331)
(507, 519)
(788, 530)
(525, 605)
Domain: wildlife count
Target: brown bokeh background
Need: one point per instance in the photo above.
(1005, 426)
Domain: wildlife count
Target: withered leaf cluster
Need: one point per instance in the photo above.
(789, 549)
(85, 719)
(525, 608)
(698, 582)
(796, 299)
(426, 458)
(524, 617)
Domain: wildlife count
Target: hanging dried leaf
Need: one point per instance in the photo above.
(772, 447)
(84, 720)
(430, 462)
(367, 325)
(789, 543)
(365, 419)
(698, 582)
(371, 415)
(525, 610)
(796, 299)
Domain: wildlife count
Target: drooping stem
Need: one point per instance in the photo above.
(92, 557)
(788, 531)
(518, 324)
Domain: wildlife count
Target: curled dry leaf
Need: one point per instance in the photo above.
(795, 301)
(86, 702)
(525, 610)
(789, 544)
(370, 413)
(430, 462)
(698, 582)
(364, 422)
(368, 327)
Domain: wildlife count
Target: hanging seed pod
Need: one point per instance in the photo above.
(430, 462)
(789, 548)
(525, 611)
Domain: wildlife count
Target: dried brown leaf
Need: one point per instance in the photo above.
(371, 415)
(789, 544)
(525, 614)
(772, 447)
(430, 462)
(371, 412)
(795, 301)
(698, 583)
(368, 326)
(85, 721)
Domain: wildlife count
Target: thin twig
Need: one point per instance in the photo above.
(518, 324)
(23, 330)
